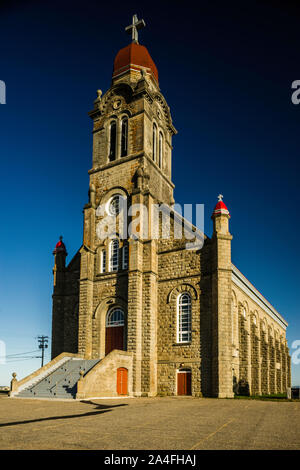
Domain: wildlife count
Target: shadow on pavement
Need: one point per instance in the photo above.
(102, 408)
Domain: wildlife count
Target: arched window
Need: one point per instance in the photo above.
(115, 331)
(103, 261)
(115, 205)
(125, 257)
(184, 332)
(112, 140)
(154, 142)
(160, 150)
(124, 137)
(114, 255)
(115, 317)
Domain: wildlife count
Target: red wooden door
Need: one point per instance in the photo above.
(122, 381)
(114, 338)
(184, 383)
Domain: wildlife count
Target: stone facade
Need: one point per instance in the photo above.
(236, 338)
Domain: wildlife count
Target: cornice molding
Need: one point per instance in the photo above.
(242, 282)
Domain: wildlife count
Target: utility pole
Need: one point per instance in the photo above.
(43, 344)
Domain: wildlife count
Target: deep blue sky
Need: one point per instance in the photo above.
(226, 72)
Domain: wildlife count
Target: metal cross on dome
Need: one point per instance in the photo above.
(133, 28)
(220, 197)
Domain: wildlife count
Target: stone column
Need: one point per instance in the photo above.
(222, 384)
(235, 345)
(135, 289)
(85, 304)
(264, 353)
(249, 348)
(58, 298)
(272, 366)
(86, 283)
(288, 367)
(278, 364)
(255, 359)
(258, 355)
(135, 311)
(283, 369)
(150, 273)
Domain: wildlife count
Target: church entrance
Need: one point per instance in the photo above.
(122, 381)
(115, 330)
(184, 382)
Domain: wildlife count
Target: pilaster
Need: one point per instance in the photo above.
(222, 380)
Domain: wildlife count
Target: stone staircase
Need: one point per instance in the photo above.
(60, 382)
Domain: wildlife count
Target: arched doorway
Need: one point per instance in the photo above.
(115, 330)
(122, 381)
(184, 382)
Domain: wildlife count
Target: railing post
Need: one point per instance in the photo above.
(13, 385)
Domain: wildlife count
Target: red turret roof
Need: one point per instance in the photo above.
(134, 56)
(220, 208)
(60, 247)
(221, 205)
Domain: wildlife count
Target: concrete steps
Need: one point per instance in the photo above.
(61, 382)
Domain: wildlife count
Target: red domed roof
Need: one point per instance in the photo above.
(134, 56)
(60, 246)
(221, 207)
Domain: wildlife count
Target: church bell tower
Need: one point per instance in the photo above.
(132, 125)
(132, 156)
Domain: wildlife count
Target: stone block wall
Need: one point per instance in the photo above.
(263, 354)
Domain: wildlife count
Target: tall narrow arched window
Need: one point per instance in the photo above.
(112, 140)
(125, 257)
(124, 137)
(184, 314)
(160, 150)
(154, 142)
(114, 255)
(103, 261)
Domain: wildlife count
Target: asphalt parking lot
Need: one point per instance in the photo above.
(174, 423)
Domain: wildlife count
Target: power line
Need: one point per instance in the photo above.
(23, 359)
(18, 354)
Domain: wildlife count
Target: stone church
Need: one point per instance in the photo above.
(156, 318)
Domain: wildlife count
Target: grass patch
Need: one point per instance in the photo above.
(272, 397)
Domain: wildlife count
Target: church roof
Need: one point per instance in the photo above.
(136, 57)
